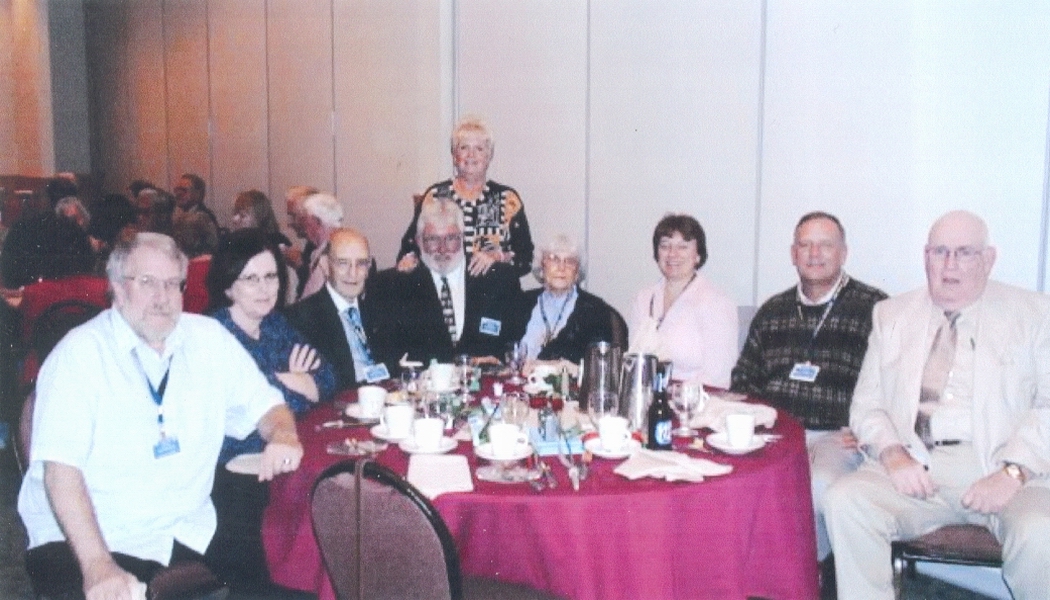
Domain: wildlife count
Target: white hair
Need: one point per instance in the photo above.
(326, 208)
(559, 243)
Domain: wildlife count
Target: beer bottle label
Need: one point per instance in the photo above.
(662, 432)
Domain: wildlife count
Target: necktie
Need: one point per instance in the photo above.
(447, 310)
(935, 375)
(358, 340)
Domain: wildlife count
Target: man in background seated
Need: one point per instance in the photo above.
(321, 214)
(438, 309)
(130, 415)
(952, 409)
(189, 198)
(804, 351)
(340, 319)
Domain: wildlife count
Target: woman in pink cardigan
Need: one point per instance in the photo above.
(683, 317)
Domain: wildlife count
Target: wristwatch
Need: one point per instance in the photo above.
(1014, 470)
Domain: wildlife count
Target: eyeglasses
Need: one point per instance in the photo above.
(156, 285)
(452, 239)
(343, 264)
(962, 254)
(255, 279)
(561, 261)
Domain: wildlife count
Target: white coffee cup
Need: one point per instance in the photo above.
(505, 439)
(397, 419)
(613, 433)
(441, 376)
(371, 398)
(740, 430)
(428, 433)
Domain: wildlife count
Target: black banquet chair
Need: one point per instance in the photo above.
(382, 539)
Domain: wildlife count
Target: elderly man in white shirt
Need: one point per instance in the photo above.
(130, 415)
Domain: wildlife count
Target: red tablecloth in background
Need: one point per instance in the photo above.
(749, 533)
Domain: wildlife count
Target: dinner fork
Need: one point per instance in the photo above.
(567, 461)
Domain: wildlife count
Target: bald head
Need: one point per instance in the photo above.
(348, 261)
(959, 260)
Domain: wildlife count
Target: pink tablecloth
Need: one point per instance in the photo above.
(749, 533)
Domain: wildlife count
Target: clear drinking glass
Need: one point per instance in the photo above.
(601, 403)
(514, 408)
(516, 356)
(685, 399)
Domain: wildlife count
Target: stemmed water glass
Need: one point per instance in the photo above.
(516, 357)
(685, 398)
(601, 403)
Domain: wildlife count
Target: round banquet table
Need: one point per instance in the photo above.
(748, 533)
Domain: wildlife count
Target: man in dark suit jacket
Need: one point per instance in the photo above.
(438, 310)
(352, 344)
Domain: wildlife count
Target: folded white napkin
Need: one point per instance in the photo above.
(713, 416)
(436, 474)
(672, 466)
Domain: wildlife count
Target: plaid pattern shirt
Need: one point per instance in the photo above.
(778, 340)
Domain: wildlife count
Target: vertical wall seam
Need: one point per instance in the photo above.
(587, 140)
(211, 106)
(335, 116)
(455, 64)
(164, 78)
(1045, 220)
(266, 68)
(759, 146)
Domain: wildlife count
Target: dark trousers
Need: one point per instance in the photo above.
(54, 572)
(236, 554)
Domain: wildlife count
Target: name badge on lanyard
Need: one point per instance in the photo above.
(377, 372)
(168, 444)
(490, 326)
(806, 372)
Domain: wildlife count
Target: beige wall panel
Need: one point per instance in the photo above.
(8, 144)
(299, 55)
(238, 99)
(186, 70)
(106, 41)
(674, 112)
(145, 156)
(391, 134)
(26, 137)
(523, 67)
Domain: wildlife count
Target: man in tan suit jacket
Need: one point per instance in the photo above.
(985, 455)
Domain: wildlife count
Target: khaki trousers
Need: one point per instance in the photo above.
(865, 513)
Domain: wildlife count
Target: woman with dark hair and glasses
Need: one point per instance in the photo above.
(246, 284)
(683, 317)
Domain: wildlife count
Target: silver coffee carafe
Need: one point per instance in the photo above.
(601, 372)
(636, 388)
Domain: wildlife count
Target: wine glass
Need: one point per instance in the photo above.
(516, 356)
(685, 398)
(514, 407)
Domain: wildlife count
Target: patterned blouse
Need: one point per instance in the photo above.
(271, 352)
(495, 220)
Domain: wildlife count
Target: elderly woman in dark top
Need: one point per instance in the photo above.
(495, 228)
(563, 319)
(246, 283)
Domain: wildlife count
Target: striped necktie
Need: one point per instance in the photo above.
(447, 309)
(935, 375)
(358, 340)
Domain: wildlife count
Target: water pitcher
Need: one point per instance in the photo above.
(601, 371)
(636, 388)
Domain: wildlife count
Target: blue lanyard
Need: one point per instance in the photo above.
(823, 317)
(157, 393)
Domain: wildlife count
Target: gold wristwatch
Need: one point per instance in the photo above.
(1014, 470)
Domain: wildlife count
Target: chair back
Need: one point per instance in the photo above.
(380, 537)
(56, 321)
(619, 330)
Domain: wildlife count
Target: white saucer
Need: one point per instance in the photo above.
(379, 431)
(245, 464)
(520, 452)
(721, 442)
(354, 410)
(594, 446)
(409, 445)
